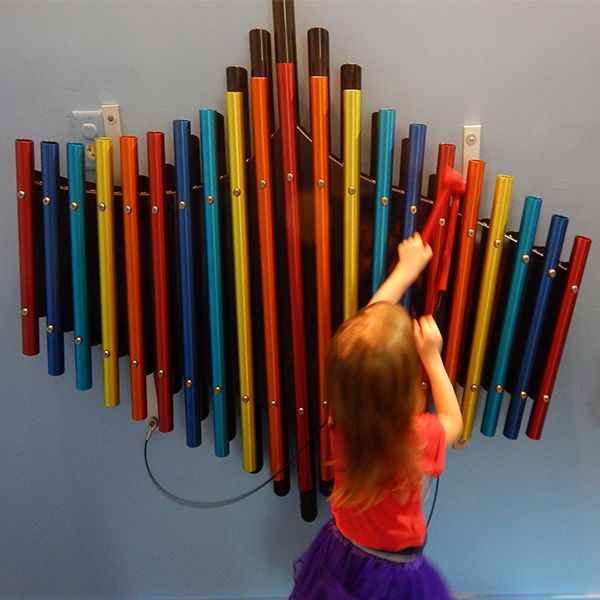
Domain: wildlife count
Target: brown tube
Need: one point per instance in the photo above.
(318, 52)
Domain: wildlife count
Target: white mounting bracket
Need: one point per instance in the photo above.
(151, 399)
(90, 124)
(471, 145)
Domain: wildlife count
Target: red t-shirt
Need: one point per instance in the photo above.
(389, 524)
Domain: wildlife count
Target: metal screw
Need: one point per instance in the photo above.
(470, 232)
(442, 222)
(499, 389)
(290, 177)
(474, 387)
(245, 398)
(217, 390)
(50, 328)
(20, 194)
(101, 207)
(324, 403)
(413, 210)
(182, 205)
(263, 184)
(300, 411)
(78, 340)
(321, 183)
(155, 210)
(552, 273)
(237, 192)
(471, 139)
(423, 385)
(127, 209)
(523, 395)
(188, 383)
(161, 373)
(497, 243)
(24, 312)
(352, 190)
(574, 289)
(525, 258)
(210, 199)
(546, 398)
(273, 404)
(384, 201)
(73, 206)
(134, 363)
(106, 353)
(46, 200)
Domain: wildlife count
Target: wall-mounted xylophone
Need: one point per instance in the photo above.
(239, 261)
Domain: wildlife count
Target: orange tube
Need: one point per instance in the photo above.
(133, 268)
(259, 87)
(319, 110)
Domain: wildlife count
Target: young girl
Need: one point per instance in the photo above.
(383, 443)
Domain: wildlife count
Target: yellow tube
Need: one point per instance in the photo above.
(351, 160)
(489, 278)
(106, 260)
(237, 179)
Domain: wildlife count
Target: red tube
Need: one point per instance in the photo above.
(29, 318)
(286, 88)
(579, 254)
(162, 374)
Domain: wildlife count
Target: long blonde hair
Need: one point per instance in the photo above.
(372, 385)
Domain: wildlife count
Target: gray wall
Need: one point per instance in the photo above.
(79, 517)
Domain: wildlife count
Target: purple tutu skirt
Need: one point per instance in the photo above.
(333, 568)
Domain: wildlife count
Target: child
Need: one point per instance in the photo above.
(383, 443)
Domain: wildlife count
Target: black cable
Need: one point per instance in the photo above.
(215, 503)
(437, 485)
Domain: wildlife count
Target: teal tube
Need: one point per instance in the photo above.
(527, 229)
(386, 125)
(210, 179)
(81, 320)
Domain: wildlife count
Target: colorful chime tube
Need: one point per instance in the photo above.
(128, 145)
(466, 245)
(52, 258)
(262, 127)
(417, 134)
(489, 278)
(183, 194)
(351, 136)
(79, 275)
(577, 262)
(234, 102)
(445, 160)
(108, 276)
(155, 143)
(527, 229)
(386, 125)
(24, 160)
(212, 218)
(318, 54)
(285, 58)
(552, 250)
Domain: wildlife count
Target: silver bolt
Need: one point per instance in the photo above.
(384, 201)
(321, 183)
(525, 258)
(46, 200)
(470, 232)
(497, 243)
(210, 199)
(552, 273)
(155, 210)
(442, 222)
(290, 177)
(300, 411)
(24, 312)
(523, 395)
(499, 389)
(78, 340)
(237, 192)
(273, 404)
(574, 289)
(50, 328)
(217, 390)
(245, 398)
(127, 209)
(546, 398)
(413, 210)
(474, 387)
(134, 363)
(352, 190)
(471, 139)
(161, 373)
(262, 183)
(182, 205)
(73, 206)
(106, 353)
(189, 383)
(101, 207)
(20, 194)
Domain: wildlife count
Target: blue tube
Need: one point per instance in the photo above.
(412, 194)
(54, 322)
(210, 179)
(386, 126)
(81, 316)
(556, 236)
(527, 229)
(181, 134)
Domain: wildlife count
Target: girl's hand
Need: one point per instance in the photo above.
(413, 256)
(428, 339)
